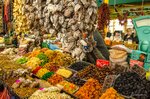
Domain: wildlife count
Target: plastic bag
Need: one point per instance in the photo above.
(122, 47)
(53, 47)
(102, 63)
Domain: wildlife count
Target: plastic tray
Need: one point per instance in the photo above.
(139, 70)
(108, 82)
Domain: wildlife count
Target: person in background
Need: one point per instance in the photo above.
(117, 36)
(135, 39)
(129, 36)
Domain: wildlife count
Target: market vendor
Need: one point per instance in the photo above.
(117, 36)
(129, 36)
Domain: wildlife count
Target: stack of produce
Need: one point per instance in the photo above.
(50, 93)
(64, 72)
(19, 17)
(33, 63)
(22, 60)
(90, 90)
(42, 72)
(58, 58)
(7, 64)
(77, 66)
(51, 59)
(43, 58)
(74, 21)
(111, 93)
(10, 51)
(68, 87)
(94, 72)
(76, 80)
(130, 84)
(55, 79)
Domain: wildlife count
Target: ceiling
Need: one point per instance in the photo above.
(112, 2)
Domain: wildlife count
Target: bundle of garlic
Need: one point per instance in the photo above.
(73, 20)
(20, 19)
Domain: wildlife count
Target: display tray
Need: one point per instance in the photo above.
(72, 96)
(78, 66)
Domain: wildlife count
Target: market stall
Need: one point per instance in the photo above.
(55, 49)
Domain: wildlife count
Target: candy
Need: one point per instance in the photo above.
(64, 72)
(55, 79)
(68, 87)
(42, 72)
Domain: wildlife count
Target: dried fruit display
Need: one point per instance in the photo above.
(95, 72)
(131, 84)
(68, 87)
(64, 72)
(55, 79)
(21, 24)
(33, 63)
(76, 80)
(42, 72)
(25, 92)
(79, 65)
(111, 93)
(50, 93)
(69, 19)
(50, 66)
(90, 90)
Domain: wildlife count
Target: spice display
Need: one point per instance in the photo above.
(33, 63)
(47, 75)
(130, 84)
(68, 87)
(77, 81)
(64, 72)
(111, 93)
(79, 65)
(43, 58)
(103, 18)
(94, 72)
(50, 93)
(55, 79)
(42, 72)
(22, 60)
(90, 90)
